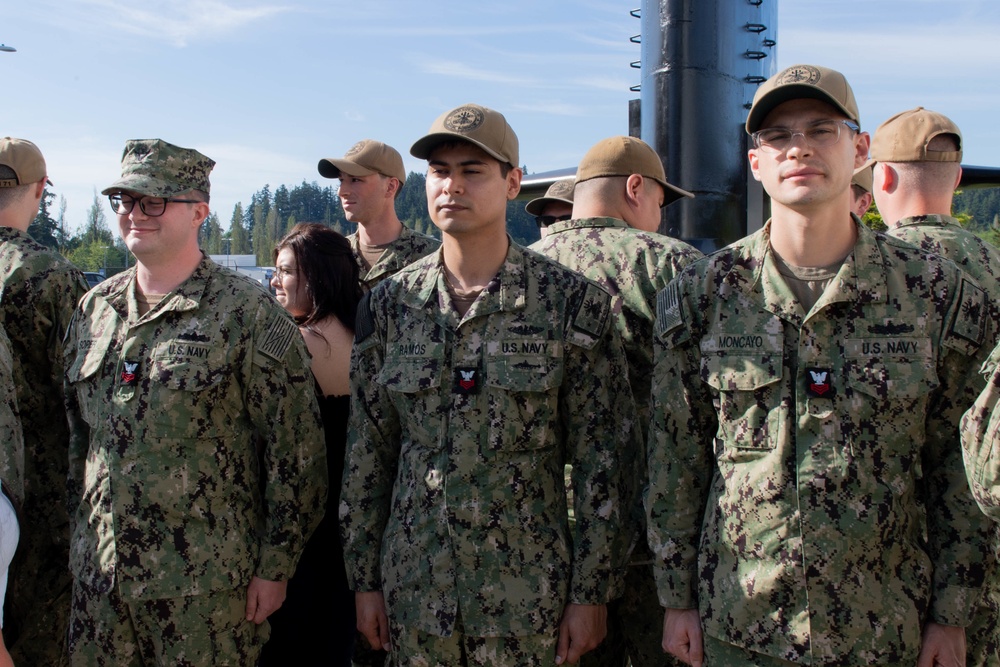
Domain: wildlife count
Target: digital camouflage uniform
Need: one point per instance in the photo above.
(633, 266)
(197, 456)
(981, 441)
(453, 503)
(12, 453)
(406, 249)
(39, 290)
(942, 235)
(806, 486)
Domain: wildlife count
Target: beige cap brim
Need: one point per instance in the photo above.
(331, 168)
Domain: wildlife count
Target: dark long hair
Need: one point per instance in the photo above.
(326, 264)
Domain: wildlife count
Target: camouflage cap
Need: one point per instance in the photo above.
(802, 82)
(906, 137)
(365, 158)
(154, 168)
(624, 156)
(863, 177)
(24, 159)
(482, 127)
(559, 192)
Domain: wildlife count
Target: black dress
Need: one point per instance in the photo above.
(316, 623)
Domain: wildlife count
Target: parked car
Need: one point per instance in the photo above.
(92, 278)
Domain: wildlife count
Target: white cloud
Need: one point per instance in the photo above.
(177, 22)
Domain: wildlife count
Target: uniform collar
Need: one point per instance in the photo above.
(390, 261)
(184, 297)
(510, 296)
(929, 219)
(861, 278)
(586, 223)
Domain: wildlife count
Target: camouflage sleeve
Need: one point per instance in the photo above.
(373, 444)
(957, 531)
(12, 452)
(679, 452)
(63, 290)
(602, 443)
(281, 400)
(981, 441)
(79, 430)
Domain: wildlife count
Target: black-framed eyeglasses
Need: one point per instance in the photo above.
(122, 204)
(820, 133)
(546, 220)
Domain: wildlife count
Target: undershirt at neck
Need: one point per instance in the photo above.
(807, 283)
(370, 254)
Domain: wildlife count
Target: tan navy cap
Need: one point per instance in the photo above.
(906, 138)
(24, 159)
(802, 82)
(624, 156)
(478, 125)
(365, 158)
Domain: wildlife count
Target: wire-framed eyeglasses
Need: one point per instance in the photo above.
(821, 133)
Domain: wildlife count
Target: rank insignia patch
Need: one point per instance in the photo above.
(466, 380)
(129, 373)
(818, 382)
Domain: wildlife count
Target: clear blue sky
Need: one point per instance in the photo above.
(268, 87)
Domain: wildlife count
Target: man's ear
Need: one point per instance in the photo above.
(514, 183)
(633, 189)
(861, 145)
(754, 163)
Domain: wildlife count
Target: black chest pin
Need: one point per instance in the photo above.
(819, 382)
(467, 380)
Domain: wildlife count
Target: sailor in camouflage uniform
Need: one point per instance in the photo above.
(917, 157)
(620, 189)
(371, 177)
(493, 367)
(197, 459)
(807, 501)
(555, 206)
(38, 290)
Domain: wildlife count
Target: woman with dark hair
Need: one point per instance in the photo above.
(316, 280)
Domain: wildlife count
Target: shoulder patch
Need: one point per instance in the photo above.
(278, 337)
(364, 323)
(971, 317)
(592, 313)
(668, 309)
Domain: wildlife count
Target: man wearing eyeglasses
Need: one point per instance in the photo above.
(621, 187)
(807, 502)
(197, 466)
(38, 290)
(555, 206)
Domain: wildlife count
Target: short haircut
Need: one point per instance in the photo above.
(11, 196)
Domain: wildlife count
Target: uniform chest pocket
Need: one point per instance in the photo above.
(748, 391)
(893, 382)
(410, 376)
(523, 399)
(187, 366)
(82, 374)
(415, 385)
